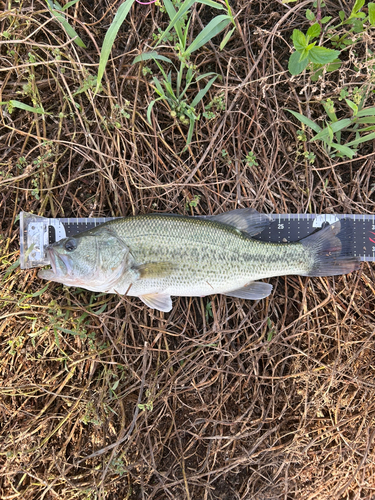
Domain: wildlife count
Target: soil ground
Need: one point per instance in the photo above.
(104, 398)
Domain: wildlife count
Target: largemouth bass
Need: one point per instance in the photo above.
(157, 256)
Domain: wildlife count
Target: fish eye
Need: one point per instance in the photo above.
(70, 245)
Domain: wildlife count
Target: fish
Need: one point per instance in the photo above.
(157, 256)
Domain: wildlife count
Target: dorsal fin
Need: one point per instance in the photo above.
(247, 220)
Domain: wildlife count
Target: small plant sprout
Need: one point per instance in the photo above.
(149, 405)
(193, 202)
(173, 90)
(308, 52)
(251, 159)
(209, 313)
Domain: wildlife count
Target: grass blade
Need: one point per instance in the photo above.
(190, 131)
(171, 11)
(306, 121)
(159, 89)
(71, 32)
(366, 112)
(212, 29)
(365, 138)
(20, 105)
(203, 92)
(176, 19)
(335, 127)
(110, 38)
(227, 38)
(366, 119)
(205, 75)
(149, 108)
(69, 4)
(345, 150)
(146, 56)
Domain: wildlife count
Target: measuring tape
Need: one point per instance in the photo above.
(36, 232)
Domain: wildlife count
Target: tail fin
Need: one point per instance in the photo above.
(332, 255)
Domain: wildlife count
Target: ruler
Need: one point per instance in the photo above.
(36, 232)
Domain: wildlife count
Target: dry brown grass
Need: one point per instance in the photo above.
(100, 396)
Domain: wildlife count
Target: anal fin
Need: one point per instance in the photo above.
(255, 290)
(159, 301)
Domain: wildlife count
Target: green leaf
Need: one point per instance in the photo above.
(310, 15)
(366, 119)
(304, 54)
(330, 134)
(212, 29)
(352, 105)
(343, 149)
(342, 15)
(40, 292)
(332, 128)
(314, 30)
(71, 32)
(364, 129)
(365, 138)
(52, 6)
(299, 40)
(146, 56)
(69, 4)
(203, 92)
(177, 18)
(326, 19)
(25, 107)
(357, 6)
(371, 13)
(341, 124)
(159, 89)
(205, 75)
(227, 38)
(295, 66)
(366, 112)
(171, 11)
(212, 4)
(110, 37)
(306, 121)
(190, 131)
(11, 268)
(149, 109)
(321, 55)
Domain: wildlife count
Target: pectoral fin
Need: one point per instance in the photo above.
(155, 270)
(254, 291)
(159, 301)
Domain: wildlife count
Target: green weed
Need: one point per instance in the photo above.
(173, 89)
(348, 32)
(57, 12)
(361, 121)
(251, 159)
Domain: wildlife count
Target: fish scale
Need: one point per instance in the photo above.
(157, 256)
(210, 250)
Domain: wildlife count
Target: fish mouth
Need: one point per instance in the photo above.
(62, 265)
